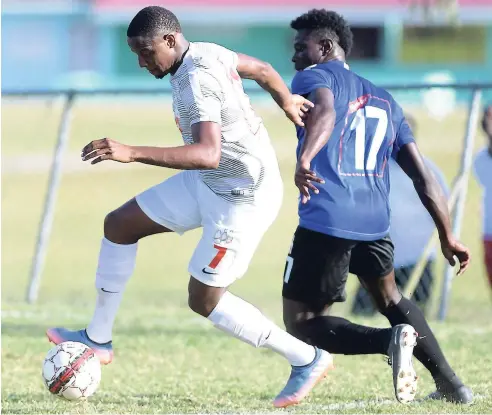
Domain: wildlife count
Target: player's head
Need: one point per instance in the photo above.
(154, 35)
(487, 122)
(321, 35)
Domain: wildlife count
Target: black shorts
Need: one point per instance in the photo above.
(318, 266)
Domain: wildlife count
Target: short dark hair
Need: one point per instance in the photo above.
(328, 24)
(152, 20)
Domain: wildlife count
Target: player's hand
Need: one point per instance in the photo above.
(297, 109)
(303, 179)
(451, 248)
(107, 149)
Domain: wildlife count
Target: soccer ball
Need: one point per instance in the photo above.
(71, 370)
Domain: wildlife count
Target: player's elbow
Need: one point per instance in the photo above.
(421, 185)
(427, 187)
(210, 158)
(425, 180)
(266, 71)
(212, 163)
(261, 73)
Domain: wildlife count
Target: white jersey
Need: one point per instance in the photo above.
(482, 166)
(207, 87)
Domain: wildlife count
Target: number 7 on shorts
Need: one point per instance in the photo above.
(221, 251)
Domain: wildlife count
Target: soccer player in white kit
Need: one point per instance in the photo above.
(230, 186)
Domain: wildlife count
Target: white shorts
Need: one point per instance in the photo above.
(231, 233)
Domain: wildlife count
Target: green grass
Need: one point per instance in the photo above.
(167, 359)
(444, 45)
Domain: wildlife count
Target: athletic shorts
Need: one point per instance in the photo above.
(318, 266)
(231, 233)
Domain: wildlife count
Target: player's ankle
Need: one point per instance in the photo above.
(387, 340)
(94, 339)
(446, 382)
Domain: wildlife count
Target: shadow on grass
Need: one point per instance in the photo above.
(40, 403)
(28, 330)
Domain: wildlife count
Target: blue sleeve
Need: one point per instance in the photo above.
(404, 136)
(481, 168)
(308, 80)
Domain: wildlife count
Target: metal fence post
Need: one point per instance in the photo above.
(49, 204)
(466, 163)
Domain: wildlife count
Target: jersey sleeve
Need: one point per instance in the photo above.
(229, 58)
(202, 97)
(308, 80)
(404, 135)
(479, 167)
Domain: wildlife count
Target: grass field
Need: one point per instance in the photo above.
(167, 359)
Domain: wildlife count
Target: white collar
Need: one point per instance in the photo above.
(345, 65)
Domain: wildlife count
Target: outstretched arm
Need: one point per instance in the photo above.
(432, 197)
(319, 126)
(269, 79)
(427, 187)
(203, 154)
(202, 101)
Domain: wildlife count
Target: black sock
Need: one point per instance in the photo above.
(427, 351)
(339, 336)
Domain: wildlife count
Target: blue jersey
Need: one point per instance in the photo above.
(370, 127)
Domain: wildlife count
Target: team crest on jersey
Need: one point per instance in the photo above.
(223, 236)
(358, 103)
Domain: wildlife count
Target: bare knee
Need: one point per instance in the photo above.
(200, 305)
(128, 224)
(118, 229)
(390, 296)
(296, 314)
(202, 299)
(384, 292)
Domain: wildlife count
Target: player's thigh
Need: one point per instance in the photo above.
(316, 269)
(231, 235)
(372, 262)
(173, 203)
(129, 223)
(372, 259)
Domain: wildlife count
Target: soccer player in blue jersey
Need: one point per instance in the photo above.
(342, 176)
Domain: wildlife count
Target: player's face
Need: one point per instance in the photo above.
(157, 55)
(307, 51)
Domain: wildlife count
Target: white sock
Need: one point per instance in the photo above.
(115, 267)
(244, 321)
